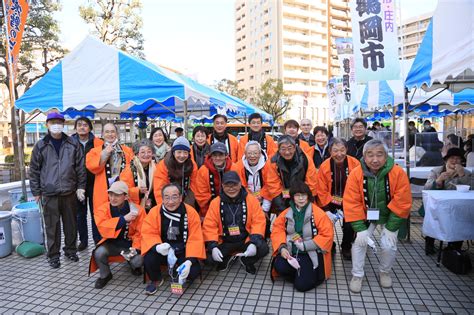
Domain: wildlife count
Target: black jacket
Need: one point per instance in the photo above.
(355, 147)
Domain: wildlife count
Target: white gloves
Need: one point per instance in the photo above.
(183, 270)
(388, 239)
(331, 216)
(81, 194)
(362, 238)
(299, 245)
(163, 249)
(266, 204)
(250, 251)
(340, 214)
(217, 254)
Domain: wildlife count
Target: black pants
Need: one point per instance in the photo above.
(153, 261)
(429, 242)
(348, 235)
(227, 249)
(55, 209)
(82, 220)
(307, 277)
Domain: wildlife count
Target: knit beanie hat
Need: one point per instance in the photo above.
(181, 143)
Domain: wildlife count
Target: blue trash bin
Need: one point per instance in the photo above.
(5, 233)
(17, 193)
(29, 218)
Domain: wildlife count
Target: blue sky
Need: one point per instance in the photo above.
(195, 37)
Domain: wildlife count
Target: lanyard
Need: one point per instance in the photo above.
(374, 195)
(234, 212)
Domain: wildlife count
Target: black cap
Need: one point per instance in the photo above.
(230, 177)
(454, 152)
(218, 147)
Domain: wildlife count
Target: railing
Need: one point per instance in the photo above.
(8, 173)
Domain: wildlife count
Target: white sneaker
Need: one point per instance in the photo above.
(385, 280)
(356, 284)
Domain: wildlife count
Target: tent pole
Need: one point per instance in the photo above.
(405, 145)
(185, 119)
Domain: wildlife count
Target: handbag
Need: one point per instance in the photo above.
(29, 249)
(457, 261)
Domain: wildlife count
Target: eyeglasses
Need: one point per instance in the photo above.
(252, 153)
(171, 198)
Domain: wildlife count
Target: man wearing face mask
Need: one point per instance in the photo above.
(235, 223)
(57, 180)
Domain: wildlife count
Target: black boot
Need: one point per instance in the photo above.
(429, 246)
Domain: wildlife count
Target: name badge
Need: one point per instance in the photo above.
(337, 200)
(176, 288)
(286, 194)
(256, 194)
(234, 230)
(373, 214)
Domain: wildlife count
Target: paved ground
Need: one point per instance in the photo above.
(29, 285)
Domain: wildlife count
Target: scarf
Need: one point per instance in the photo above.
(140, 177)
(179, 173)
(161, 151)
(215, 174)
(200, 153)
(178, 220)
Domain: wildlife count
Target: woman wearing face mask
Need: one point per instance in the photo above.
(302, 237)
(139, 175)
(177, 168)
(200, 148)
(160, 143)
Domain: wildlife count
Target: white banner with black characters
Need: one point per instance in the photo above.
(345, 55)
(374, 31)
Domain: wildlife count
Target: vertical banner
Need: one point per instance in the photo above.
(345, 55)
(16, 12)
(336, 99)
(374, 31)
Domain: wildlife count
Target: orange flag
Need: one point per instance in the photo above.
(16, 13)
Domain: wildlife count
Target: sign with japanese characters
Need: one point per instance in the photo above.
(17, 12)
(374, 32)
(337, 108)
(346, 61)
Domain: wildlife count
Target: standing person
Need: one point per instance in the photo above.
(119, 222)
(209, 178)
(256, 133)
(305, 134)
(139, 175)
(290, 128)
(288, 165)
(172, 225)
(412, 131)
(107, 163)
(355, 144)
(302, 234)
(87, 141)
(319, 152)
(179, 132)
(377, 193)
(200, 148)
(332, 177)
(220, 134)
(235, 223)
(58, 181)
(160, 142)
(178, 168)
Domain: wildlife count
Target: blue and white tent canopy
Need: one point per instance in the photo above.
(446, 54)
(96, 77)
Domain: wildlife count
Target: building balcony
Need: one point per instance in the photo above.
(294, 74)
(341, 24)
(339, 4)
(296, 62)
(338, 33)
(296, 11)
(340, 14)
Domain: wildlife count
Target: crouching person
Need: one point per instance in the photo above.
(119, 222)
(302, 238)
(235, 224)
(172, 230)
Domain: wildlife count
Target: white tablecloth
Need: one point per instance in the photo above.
(449, 215)
(424, 171)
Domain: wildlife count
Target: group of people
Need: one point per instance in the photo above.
(172, 208)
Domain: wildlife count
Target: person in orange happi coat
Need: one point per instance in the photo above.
(178, 168)
(119, 222)
(210, 174)
(332, 177)
(107, 162)
(288, 165)
(171, 232)
(290, 128)
(302, 237)
(200, 148)
(377, 194)
(256, 133)
(319, 152)
(235, 223)
(220, 134)
(139, 175)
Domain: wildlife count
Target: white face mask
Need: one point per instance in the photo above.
(56, 129)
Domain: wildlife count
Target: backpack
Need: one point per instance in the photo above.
(457, 261)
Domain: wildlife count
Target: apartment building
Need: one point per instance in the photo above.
(410, 34)
(293, 40)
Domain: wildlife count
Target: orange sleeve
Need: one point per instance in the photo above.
(128, 152)
(212, 225)
(265, 191)
(400, 190)
(195, 243)
(136, 227)
(193, 178)
(133, 191)
(93, 161)
(234, 148)
(106, 224)
(272, 147)
(257, 222)
(325, 237)
(278, 235)
(304, 146)
(311, 176)
(242, 142)
(274, 186)
(151, 230)
(324, 181)
(241, 171)
(203, 190)
(353, 199)
(160, 179)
